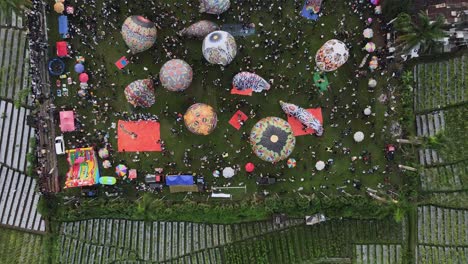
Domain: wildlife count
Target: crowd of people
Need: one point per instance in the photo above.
(94, 23)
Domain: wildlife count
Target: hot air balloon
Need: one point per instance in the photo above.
(215, 7)
(138, 33)
(272, 139)
(199, 29)
(176, 75)
(303, 116)
(140, 93)
(200, 119)
(332, 55)
(219, 47)
(247, 80)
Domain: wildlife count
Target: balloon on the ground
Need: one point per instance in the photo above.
(301, 114)
(358, 136)
(200, 119)
(79, 68)
(247, 80)
(140, 93)
(138, 33)
(219, 47)
(332, 55)
(214, 7)
(176, 75)
(199, 29)
(272, 139)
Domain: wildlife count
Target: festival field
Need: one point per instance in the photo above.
(282, 51)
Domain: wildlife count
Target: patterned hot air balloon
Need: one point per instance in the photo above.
(200, 119)
(139, 33)
(199, 29)
(247, 80)
(219, 47)
(303, 116)
(272, 139)
(140, 93)
(332, 55)
(176, 75)
(215, 7)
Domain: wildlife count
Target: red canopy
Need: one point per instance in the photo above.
(249, 167)
(62, 50)
(67, 121)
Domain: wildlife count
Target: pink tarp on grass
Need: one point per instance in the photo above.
(67, 121)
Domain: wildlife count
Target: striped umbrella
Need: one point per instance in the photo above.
(121, 170)
(291, 163)
(370, 47)
(368, 33)
(106, 164)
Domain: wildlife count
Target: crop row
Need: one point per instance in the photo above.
(14, 62)
(18, 201)
(441, 226)
(12, 20)
(160, 241)
(382, 254)
(441, 255)
(20, 247)
(445, 178)
(440, 84)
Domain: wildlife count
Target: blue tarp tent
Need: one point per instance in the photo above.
(179, 180)
(63, 25)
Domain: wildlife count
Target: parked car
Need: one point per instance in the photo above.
(59, 145)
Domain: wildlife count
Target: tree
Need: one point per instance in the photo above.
(391, 8)
(421, 31)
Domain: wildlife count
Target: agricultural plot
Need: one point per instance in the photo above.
(333, 240)
(12, 20)
(20, 247)
(429, 125)
(106, 240)
(15, 136)
(443, 227)
(451, 177)
(440, 84)
(384, 254)
(450, 199)
(14, 58)
(18, 201)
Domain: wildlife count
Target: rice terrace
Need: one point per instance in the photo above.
(233, 131)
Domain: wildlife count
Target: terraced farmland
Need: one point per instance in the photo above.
(450, 177)
(440, 84)
(105, 241)
(442, 235)
(382, 254)
(20, 247)
(16, 134)
(18, 201)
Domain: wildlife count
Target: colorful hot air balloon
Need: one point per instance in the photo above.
(303, 116)
(332, 55)
(200, 119)
(247, 80)
(176, 75)
(219, 47)
(139, 33)
(199, 29)
(272, 139)
(215, 7)
(140, 93)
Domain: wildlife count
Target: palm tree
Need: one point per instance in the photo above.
(423, 31)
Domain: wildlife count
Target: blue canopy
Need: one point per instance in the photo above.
(179, 180)
(63, 25)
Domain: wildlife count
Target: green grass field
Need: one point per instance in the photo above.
(225, 138)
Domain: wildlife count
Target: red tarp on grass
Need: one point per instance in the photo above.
(62, 50)
(241, 92)
(297, 126)
(237, 118)
(138, 136)
(67, 121)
